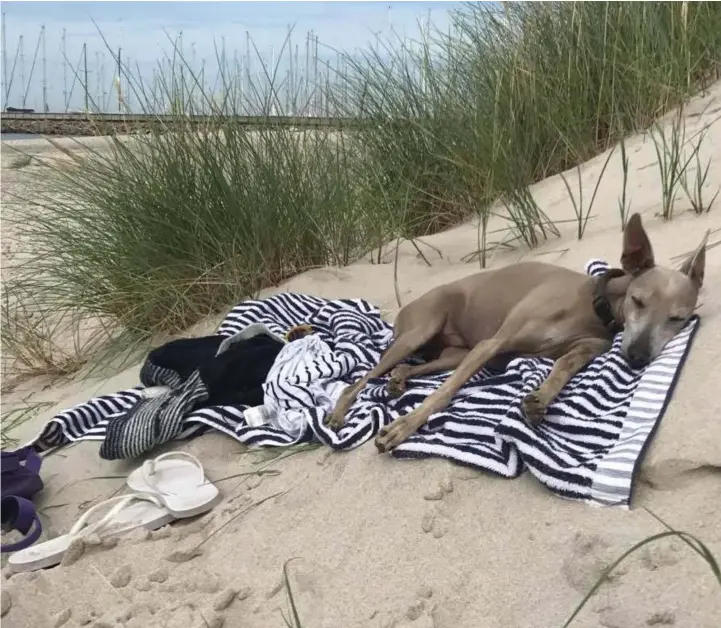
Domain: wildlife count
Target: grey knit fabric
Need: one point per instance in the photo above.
(152, 421)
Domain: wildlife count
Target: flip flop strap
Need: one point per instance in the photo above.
(25, 521)
(148, 469)
(81, 526)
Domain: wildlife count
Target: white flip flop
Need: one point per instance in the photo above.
(180, 485)
(129, 513)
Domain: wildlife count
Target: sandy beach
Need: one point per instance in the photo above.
(374, 542)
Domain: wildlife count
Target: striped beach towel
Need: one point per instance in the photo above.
(588, 448)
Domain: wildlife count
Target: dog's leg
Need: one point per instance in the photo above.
(393, 435)
(580, 354)
(405, 344)
(449, 359)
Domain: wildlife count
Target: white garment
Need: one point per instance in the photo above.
(300, 379)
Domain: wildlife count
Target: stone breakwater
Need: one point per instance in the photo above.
(82, 125)
(74, 127)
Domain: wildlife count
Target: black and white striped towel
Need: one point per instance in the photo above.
(588, 448)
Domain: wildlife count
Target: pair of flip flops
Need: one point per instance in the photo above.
(20, 482)
(169, 487)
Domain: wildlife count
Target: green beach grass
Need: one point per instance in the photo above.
(156, 233)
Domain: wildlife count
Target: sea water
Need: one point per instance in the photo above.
(4, 137)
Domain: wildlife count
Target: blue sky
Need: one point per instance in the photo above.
(140, 28)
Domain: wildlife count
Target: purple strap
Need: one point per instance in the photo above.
(20, 515)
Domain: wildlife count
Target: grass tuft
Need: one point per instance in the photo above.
(671, 164)
(696, 191)
(153, 234)
(35, 341)
(582, 217)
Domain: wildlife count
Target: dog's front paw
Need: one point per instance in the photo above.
(397, 383)
(390, 436)
(336, 419)
(534, 408)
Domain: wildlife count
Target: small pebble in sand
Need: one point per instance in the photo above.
(163, 533)
(427, 522)
(61, 618)
(74, 552)
(446, 485)
(244, 593)
(159, 575)
(253, 482)
(110, 542)
(84, 618)
(275, 589)
(662, 618)
(121, 577)
(183, 555)
(224, 599)
(6, 602)
(142, 585)
(230, 510)
(415, 610)
(438, 532)
(433, 495)
(425, 591)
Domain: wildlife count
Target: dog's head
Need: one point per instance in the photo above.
(659, 301)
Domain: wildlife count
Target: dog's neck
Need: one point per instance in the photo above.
(615, 292)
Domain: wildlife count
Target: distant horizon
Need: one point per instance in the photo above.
(143, 31)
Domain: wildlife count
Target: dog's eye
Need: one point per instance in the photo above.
(676, 319)
(638, 303)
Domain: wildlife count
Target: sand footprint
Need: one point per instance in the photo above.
(436, 521)
(590, 557)
(663, 554)
(418, 613)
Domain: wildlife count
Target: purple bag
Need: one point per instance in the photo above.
(20, 481)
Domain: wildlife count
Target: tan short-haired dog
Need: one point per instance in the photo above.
(534, 309)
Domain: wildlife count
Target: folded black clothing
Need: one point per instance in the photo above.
(194, 372)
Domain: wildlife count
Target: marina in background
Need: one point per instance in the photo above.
(293, 79)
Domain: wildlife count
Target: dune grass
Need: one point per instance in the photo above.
(158, 232)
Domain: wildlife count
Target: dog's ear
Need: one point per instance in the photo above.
(637, 255)
(695, 263)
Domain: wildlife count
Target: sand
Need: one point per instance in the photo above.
(369, 548)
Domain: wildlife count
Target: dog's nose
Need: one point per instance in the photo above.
(638, 359)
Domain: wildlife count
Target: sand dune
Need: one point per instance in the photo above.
(372, 549)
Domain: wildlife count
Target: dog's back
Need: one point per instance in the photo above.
(478, 304)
